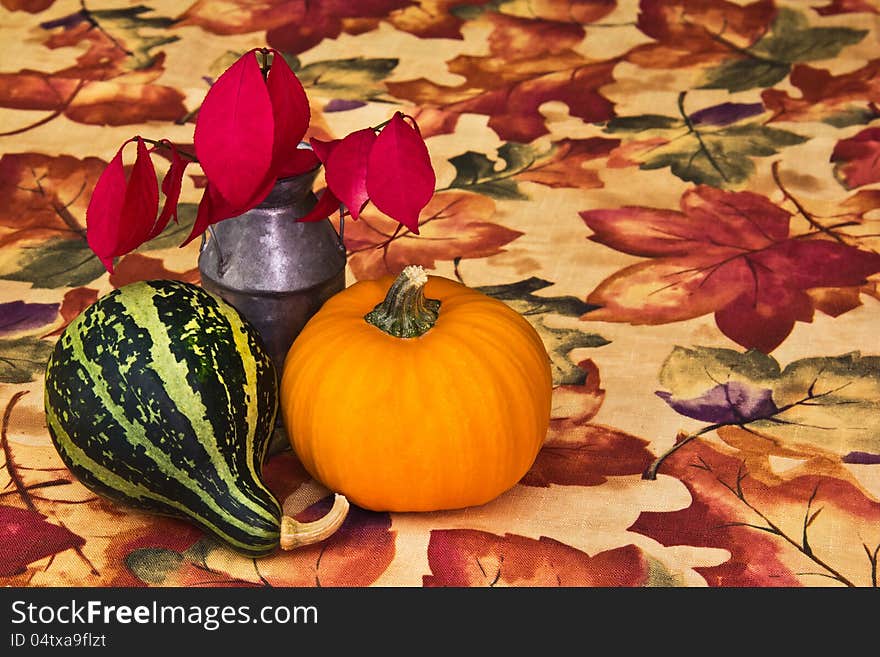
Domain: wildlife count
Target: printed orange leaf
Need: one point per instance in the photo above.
(74, 302)
(692, 32)
(530, 62)
(468, 557)
(30, 6)
(824, 95)
(809, 531)
(292, 26)
(452, 225)
(138, 267)
(576, 453)
(42, 195)
(857, 159)
(836, 7)
(728, 253)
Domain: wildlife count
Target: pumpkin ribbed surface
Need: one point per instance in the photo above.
(160, 396)
(446, 420)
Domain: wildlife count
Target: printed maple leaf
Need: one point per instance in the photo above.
(45, 196)
(712, 146)
(18, 316)
(836, 7)
(727, 253)
(530, 63)
(111, 83)
(469, 557)
(453, 225)
(846, 98)
(292, 26)
(687, 33)
(113, 39)
(30, 6)
(26, 536)
(816, 406)
(857, 159)
(560, 165)
(576, 453)
(559, 341)
(768, 60)
(836, 541)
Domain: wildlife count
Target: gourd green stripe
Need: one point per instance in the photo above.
(129, 489)
(135, 433)
(243, 344)
(188, 401)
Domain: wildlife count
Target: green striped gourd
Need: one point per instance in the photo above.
(161, 396)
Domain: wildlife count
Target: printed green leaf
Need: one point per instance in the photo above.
(743, 74)
(559, 342)
(475, 172)
(643, 123)
(23, 359)
(720, 157)
(126, 24)
(174, 235)
(357, 78)
(54, 263)
(830, 402)
(153, 565)
(521, 296)
(790, 40)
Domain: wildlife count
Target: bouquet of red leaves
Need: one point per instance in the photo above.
(247, 136)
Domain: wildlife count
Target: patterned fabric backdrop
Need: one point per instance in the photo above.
(681, 196)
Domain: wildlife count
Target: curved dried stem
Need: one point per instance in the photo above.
(296, 534)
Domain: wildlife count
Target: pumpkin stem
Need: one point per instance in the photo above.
(295, 534)
(406, 312)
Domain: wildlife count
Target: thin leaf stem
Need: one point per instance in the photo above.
(774, 168)
(651, 472)
(696, 133)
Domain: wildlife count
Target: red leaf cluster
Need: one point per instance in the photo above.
(393, 170)
(248, 135)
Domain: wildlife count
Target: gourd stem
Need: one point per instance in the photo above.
(295, 534)
(405, 311)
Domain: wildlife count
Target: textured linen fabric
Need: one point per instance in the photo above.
(681, 195)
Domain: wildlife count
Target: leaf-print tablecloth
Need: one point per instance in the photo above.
(682, 196)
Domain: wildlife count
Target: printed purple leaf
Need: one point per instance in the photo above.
(20, 316)
(861, 458)
(726, 113)
(343, 105)
(732, 402)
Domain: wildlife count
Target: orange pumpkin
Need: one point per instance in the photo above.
(416, 394)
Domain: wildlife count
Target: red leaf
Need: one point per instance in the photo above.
(235, 132)
(171, 185)
(323, 149)
(296, 162)
(290, 110)
(105, 208)
(121, 214)
(400, 178)
(858, 159)
(141, 202)
(213, 208)
(346, 169)
(326, 205)
(26, 537)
